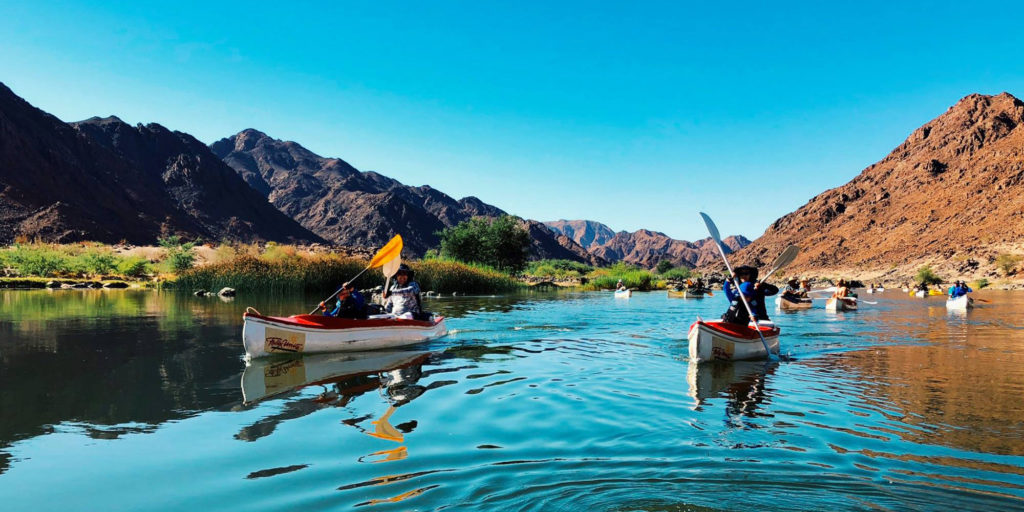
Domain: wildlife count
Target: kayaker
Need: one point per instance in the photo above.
(351, 304)
(404, 295)
(792, 291)
(620, 287)
(805, 287)
(959, 289)
(842, 290)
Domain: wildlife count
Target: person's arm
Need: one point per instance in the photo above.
(730, 293)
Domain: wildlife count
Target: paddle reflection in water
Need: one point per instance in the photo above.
(742, 383)
(342, 377)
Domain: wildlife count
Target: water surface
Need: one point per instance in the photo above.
(139, 400)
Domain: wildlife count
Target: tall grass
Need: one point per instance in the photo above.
(632, 277)
(325, 273)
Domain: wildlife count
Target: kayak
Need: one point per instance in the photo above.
(796, 303)
(714, 340)
(843, 304)
(269, 377)
(266, 335)
(623, 294)
(961, 303)
(936, 292)
(920, 294)
(686, 294)
(879, 290)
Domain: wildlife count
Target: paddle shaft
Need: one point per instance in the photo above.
(718, 243)
(361, 272)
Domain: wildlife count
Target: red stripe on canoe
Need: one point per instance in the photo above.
(738, 331)
(331, 323)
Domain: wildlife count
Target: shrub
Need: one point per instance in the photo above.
(560, 269)
(926, 276)
(631, 276)
(179, 255)
(1007, 262)
(95, 262)
(980, 283)
(678, 273)
(134, 266)
(37, 260)
(664, 266)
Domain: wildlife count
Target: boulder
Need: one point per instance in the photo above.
(53, 284)
(116, 284)
(226, 292)
(200, 293)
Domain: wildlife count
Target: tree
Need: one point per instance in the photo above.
(179, 255)
(664, 266)
(500, 243)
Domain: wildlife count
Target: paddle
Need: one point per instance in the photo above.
(389, 270)
(718, 243)
(390, 251)
(784, 259)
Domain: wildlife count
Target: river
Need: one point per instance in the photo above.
(140, 400)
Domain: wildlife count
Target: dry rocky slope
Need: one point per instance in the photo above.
(952, 195)
(106, 181)
(362, 209)
(643, 247)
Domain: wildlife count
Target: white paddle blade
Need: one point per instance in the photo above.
(711, 228)
(389, 268)
(787, 256)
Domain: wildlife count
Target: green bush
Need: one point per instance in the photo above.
(134, 266)
(980, 283)
(632, 277)
(179, 255)
(37, 260)
(678, 274)
(664, 266)
(95, 262)
(1007, 262)
(560, 269)
(926, 276)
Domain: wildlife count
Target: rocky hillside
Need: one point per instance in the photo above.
(643, 247)
(362, 209)
(950, 196)
(59, 183)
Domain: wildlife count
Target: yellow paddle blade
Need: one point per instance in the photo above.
(387, 253)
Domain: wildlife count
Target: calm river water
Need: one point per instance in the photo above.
(139, 400)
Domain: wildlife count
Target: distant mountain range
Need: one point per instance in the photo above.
(104, 180)
(643, 247)
(952, 195)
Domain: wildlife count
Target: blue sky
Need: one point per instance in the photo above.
(634, 115)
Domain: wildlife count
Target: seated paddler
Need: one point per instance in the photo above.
(351, 304)
(404, 296)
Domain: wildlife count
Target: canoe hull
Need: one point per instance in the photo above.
(686, 294)
(834, 304)
(717, 341)
(962, 303)
(309, 334)
(786, 304)
(625, 294)
(919, 294)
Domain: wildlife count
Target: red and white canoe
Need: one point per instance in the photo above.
(715, 340)
(266, 335)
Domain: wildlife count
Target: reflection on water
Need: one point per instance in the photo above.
(549, 402)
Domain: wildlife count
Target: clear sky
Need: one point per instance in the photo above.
(634, 114)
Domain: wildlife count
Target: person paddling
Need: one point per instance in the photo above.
(754, 291)
(620, 287)
(959, 289)
(351, 304)
(404, 295)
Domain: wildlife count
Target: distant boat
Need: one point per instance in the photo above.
(623, 294)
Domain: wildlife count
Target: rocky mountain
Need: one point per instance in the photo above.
(365, 209)
(61, 182)
(950, 195)
(643, 247)
(587, 233)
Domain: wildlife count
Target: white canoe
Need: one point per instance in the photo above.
(800, 303)
(870, 290)
(266, 335)
(921, 294)
(879, 290)
(716, 340)
(961, 303)
(623, 294)
(844, 304)
(268, 377)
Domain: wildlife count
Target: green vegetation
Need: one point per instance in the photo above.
(283, 270)
(632, 277)
(557, 269)
(926, 276)
(498, 243)
(664, 266)
(84, 260)
(979, 284)
(1007, 263)
(179, 255)
(678, 274)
